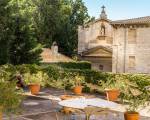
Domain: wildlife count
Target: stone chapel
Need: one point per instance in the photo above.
(121, 46)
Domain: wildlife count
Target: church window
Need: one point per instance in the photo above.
(132, 61)
(132, 36)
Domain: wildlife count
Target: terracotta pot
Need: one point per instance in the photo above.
(34, 88)
(78, 90)
(131, 116)
(112, 94)
(67, 110)
(66, 97)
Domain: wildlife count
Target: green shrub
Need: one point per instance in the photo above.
(28, 68)
(10, 99)
(95, 77)
(75, 65)
(36, 78)
(64, 77)
(72, 65)
(86, 89)
(133, 95)
(53, 72)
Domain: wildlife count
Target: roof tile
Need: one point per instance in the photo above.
(140, 20)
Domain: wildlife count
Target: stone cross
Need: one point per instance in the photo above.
(103, 7)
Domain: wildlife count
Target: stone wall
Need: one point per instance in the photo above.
(126, 41)
(123, 48)
(88, 35)
(142, 50)
(97, 62)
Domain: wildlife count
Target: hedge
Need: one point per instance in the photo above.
(73, 65)
(91, 76)
(94, 77)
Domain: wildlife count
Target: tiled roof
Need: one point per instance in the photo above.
(49, 57)
(140, 20)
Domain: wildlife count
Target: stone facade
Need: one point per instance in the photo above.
(121, 46)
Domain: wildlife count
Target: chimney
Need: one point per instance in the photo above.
(54, 48)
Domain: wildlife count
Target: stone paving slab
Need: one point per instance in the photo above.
(42, 116)
(52, 116)
(42, 108)
(17, 118)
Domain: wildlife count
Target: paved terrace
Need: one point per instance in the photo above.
(41, 108)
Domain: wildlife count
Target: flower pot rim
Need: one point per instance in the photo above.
(66, 96)
(33, 84)
(78, 86)
(111, 89)
(131, 112)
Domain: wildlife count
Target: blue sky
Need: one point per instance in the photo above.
(119, 9)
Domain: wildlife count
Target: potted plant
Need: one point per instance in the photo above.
(112, 87)
(67, 84)
(35, 81)
(135, 98)
(78, 85)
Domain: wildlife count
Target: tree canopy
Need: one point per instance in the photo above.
(4, 31)
(28, 25)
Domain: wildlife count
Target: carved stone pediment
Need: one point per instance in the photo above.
(100, 53)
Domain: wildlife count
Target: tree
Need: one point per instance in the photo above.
(26, 23)
(58, 20)
(4, 31)
(47, 19)
(24, 48)
(67, 37)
